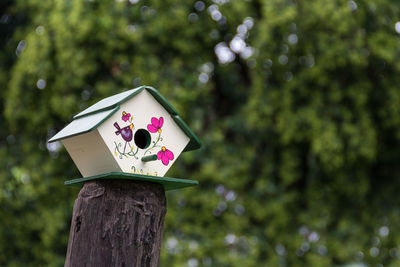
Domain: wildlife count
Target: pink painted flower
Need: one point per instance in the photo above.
(155, 125)
(165, 155)
(125, 116)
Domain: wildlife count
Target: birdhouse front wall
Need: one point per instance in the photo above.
(142, 127)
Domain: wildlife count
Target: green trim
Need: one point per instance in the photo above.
(137, 91)
(149, 158)
(89, 130)
(163, 102)
(167, 183)
(95, 111)
(106, 118)
(194, 142)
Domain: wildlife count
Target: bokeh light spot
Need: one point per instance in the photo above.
(192, 262)
(193, 17)
(374, 251)
(203, 77)
(352, 5)
(20, 47)
(293, 39)
(384, 231)
(41, 84)
(237, 44)
(283, 59)
(199, 5)
(39, 30)
(248, 22)
(224, 54)
(397, 27)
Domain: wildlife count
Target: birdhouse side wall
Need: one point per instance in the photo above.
(142, 127)
(90, 154)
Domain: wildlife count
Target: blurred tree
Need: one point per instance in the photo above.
(326, 90)
(296, 102)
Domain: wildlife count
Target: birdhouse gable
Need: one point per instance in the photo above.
(142, 127)
(136, 131)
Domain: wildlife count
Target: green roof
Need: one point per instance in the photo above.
(95, 115)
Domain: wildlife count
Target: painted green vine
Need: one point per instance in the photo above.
(159, 138)
(126, 154)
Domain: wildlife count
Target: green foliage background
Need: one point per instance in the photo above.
(301, 128)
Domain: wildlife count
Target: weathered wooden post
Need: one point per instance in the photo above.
(123, 145)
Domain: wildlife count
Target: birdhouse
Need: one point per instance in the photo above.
(135, 135)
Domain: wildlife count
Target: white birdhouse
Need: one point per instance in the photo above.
(136, 135)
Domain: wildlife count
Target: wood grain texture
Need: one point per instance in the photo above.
(117, 223)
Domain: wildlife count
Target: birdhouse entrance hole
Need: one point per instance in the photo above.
(142, 138)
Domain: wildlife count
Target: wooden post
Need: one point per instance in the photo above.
(117, 223)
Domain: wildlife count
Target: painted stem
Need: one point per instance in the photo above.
(155, 144)
(126, 154)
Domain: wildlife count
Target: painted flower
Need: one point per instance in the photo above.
(165, 155)
(125, 116)
(155, 125)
